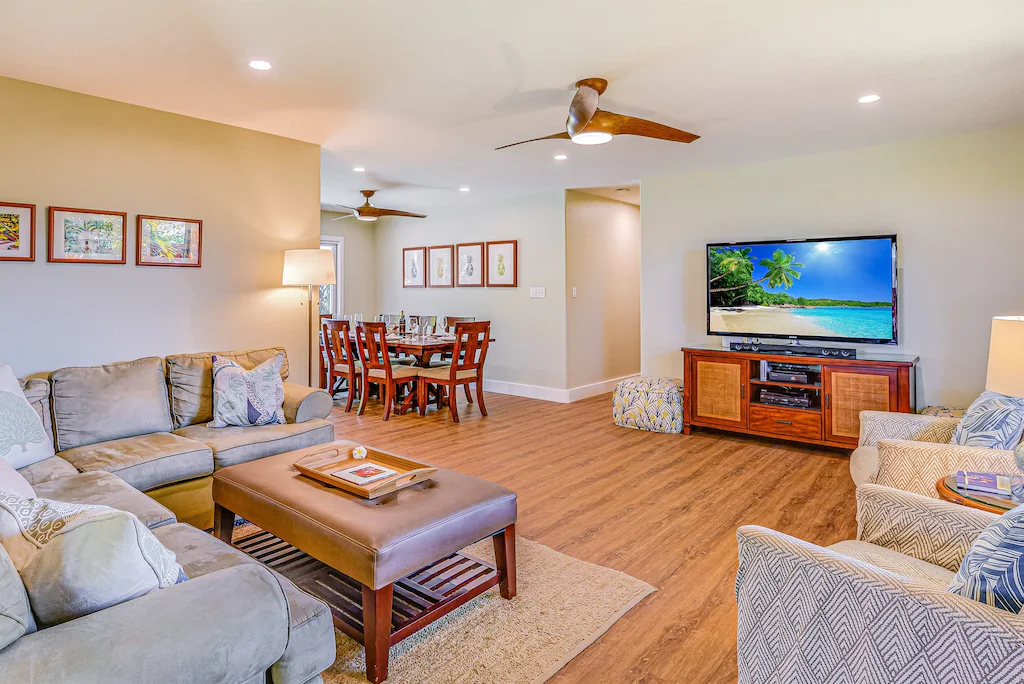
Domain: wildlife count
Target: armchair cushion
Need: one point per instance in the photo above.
(993, 421)
(917, 466)
(993, 570)
(878, 425)
(894, 561)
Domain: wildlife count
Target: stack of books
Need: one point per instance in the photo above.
(986, 483)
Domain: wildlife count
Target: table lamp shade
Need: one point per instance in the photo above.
(1006, 356)
(308, 267)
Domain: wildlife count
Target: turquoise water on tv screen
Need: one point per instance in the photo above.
(867, 322)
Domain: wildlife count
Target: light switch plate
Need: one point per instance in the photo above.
(537, 293)
(574, 293)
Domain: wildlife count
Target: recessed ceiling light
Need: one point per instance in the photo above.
(260, 65)
(561, 157)
(592, 138)
(868, 99)
(463, 189)
(358, 169)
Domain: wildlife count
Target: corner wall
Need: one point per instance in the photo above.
(957, 204)
(256, 194)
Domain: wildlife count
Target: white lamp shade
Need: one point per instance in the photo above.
(1006, 356)
(308, 267)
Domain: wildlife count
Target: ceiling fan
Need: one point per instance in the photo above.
(368, 212)
(588, 125)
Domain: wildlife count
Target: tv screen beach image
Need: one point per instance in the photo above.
(834, 288)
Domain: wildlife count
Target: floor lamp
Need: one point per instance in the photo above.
(309, 268)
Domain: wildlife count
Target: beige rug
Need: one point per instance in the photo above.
(562, 606)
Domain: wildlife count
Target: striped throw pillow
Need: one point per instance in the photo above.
(993, 421)
(992, 572)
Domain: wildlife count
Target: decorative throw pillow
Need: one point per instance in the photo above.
(992, 572)
(76, 559)
(244, 398)
(12, 482)
(993, 421)
(15, 614)
(23, 441)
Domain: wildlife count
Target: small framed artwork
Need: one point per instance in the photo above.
(164, 241)
(86, 236)
(414, 261)
(17, 232)
(502, 264)
(470, 264)
(440, 258)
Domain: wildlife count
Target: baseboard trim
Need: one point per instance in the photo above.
(559, 396)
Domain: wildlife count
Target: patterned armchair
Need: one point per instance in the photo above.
(912, 452)
(875, 609)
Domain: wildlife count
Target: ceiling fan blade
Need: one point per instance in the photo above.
(396, 212)
(581, 109)
(556, 136)
(620, 124)
(347, 216)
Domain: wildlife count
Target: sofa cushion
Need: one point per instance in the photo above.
(48, 469)
(311, 646)
(37, 392)
(894, 561)
(104, 489)
(243, 397)
(77, 559)
(146, 461)
(233, 445)
(15, 614)
(101, 403)
(190, 377)
(23, 440)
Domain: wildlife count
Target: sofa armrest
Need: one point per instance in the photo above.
(939, 532)
(228, 626)
(878, 425)
(917, 466)
(303, 403)
(810, 614)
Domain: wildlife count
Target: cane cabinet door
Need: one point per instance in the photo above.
(848, 391)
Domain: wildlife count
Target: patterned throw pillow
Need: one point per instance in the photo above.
(76, 559)
(244, 398)
(993, 421)
(23, 440)
(992, 572)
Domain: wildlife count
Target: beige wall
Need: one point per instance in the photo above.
(602, 245)
(256, 194)
(360, 266)
(530, 333)
(957, 204)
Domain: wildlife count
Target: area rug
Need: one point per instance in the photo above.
(562, 606)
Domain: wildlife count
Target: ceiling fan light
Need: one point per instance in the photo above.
(592, 138)
(366, 218)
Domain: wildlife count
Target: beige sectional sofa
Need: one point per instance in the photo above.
(145, 421)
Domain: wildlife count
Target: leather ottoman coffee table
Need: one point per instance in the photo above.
(388, 566)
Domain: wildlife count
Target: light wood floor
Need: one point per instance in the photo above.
(663, 508)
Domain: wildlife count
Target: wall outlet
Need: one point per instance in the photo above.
(537, 293)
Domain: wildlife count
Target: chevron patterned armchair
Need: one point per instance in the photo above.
(874, 609)
(912, 452)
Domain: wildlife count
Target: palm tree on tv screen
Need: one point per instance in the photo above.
(781, 272)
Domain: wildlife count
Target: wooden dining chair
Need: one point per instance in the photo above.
(446, 357)
(371, 341)
(471, 340)
(342, 362)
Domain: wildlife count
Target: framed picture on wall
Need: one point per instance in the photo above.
(414, 261)
(502, 264)
(440, 258)
(86, 236)
(17, 232)
(164, 241)
(470, 264)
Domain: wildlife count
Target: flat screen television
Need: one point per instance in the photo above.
(833, 289)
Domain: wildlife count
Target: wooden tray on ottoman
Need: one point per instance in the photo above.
(338, 455)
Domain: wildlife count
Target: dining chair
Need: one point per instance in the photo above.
(446, 357)
(371, 341)
(471, 340)
(342, 362)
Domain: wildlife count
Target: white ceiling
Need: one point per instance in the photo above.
(420, 92)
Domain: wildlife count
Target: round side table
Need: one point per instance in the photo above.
(946, 487)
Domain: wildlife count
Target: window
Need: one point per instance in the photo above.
(332, 297)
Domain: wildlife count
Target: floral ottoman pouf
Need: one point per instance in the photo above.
(654, 404)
